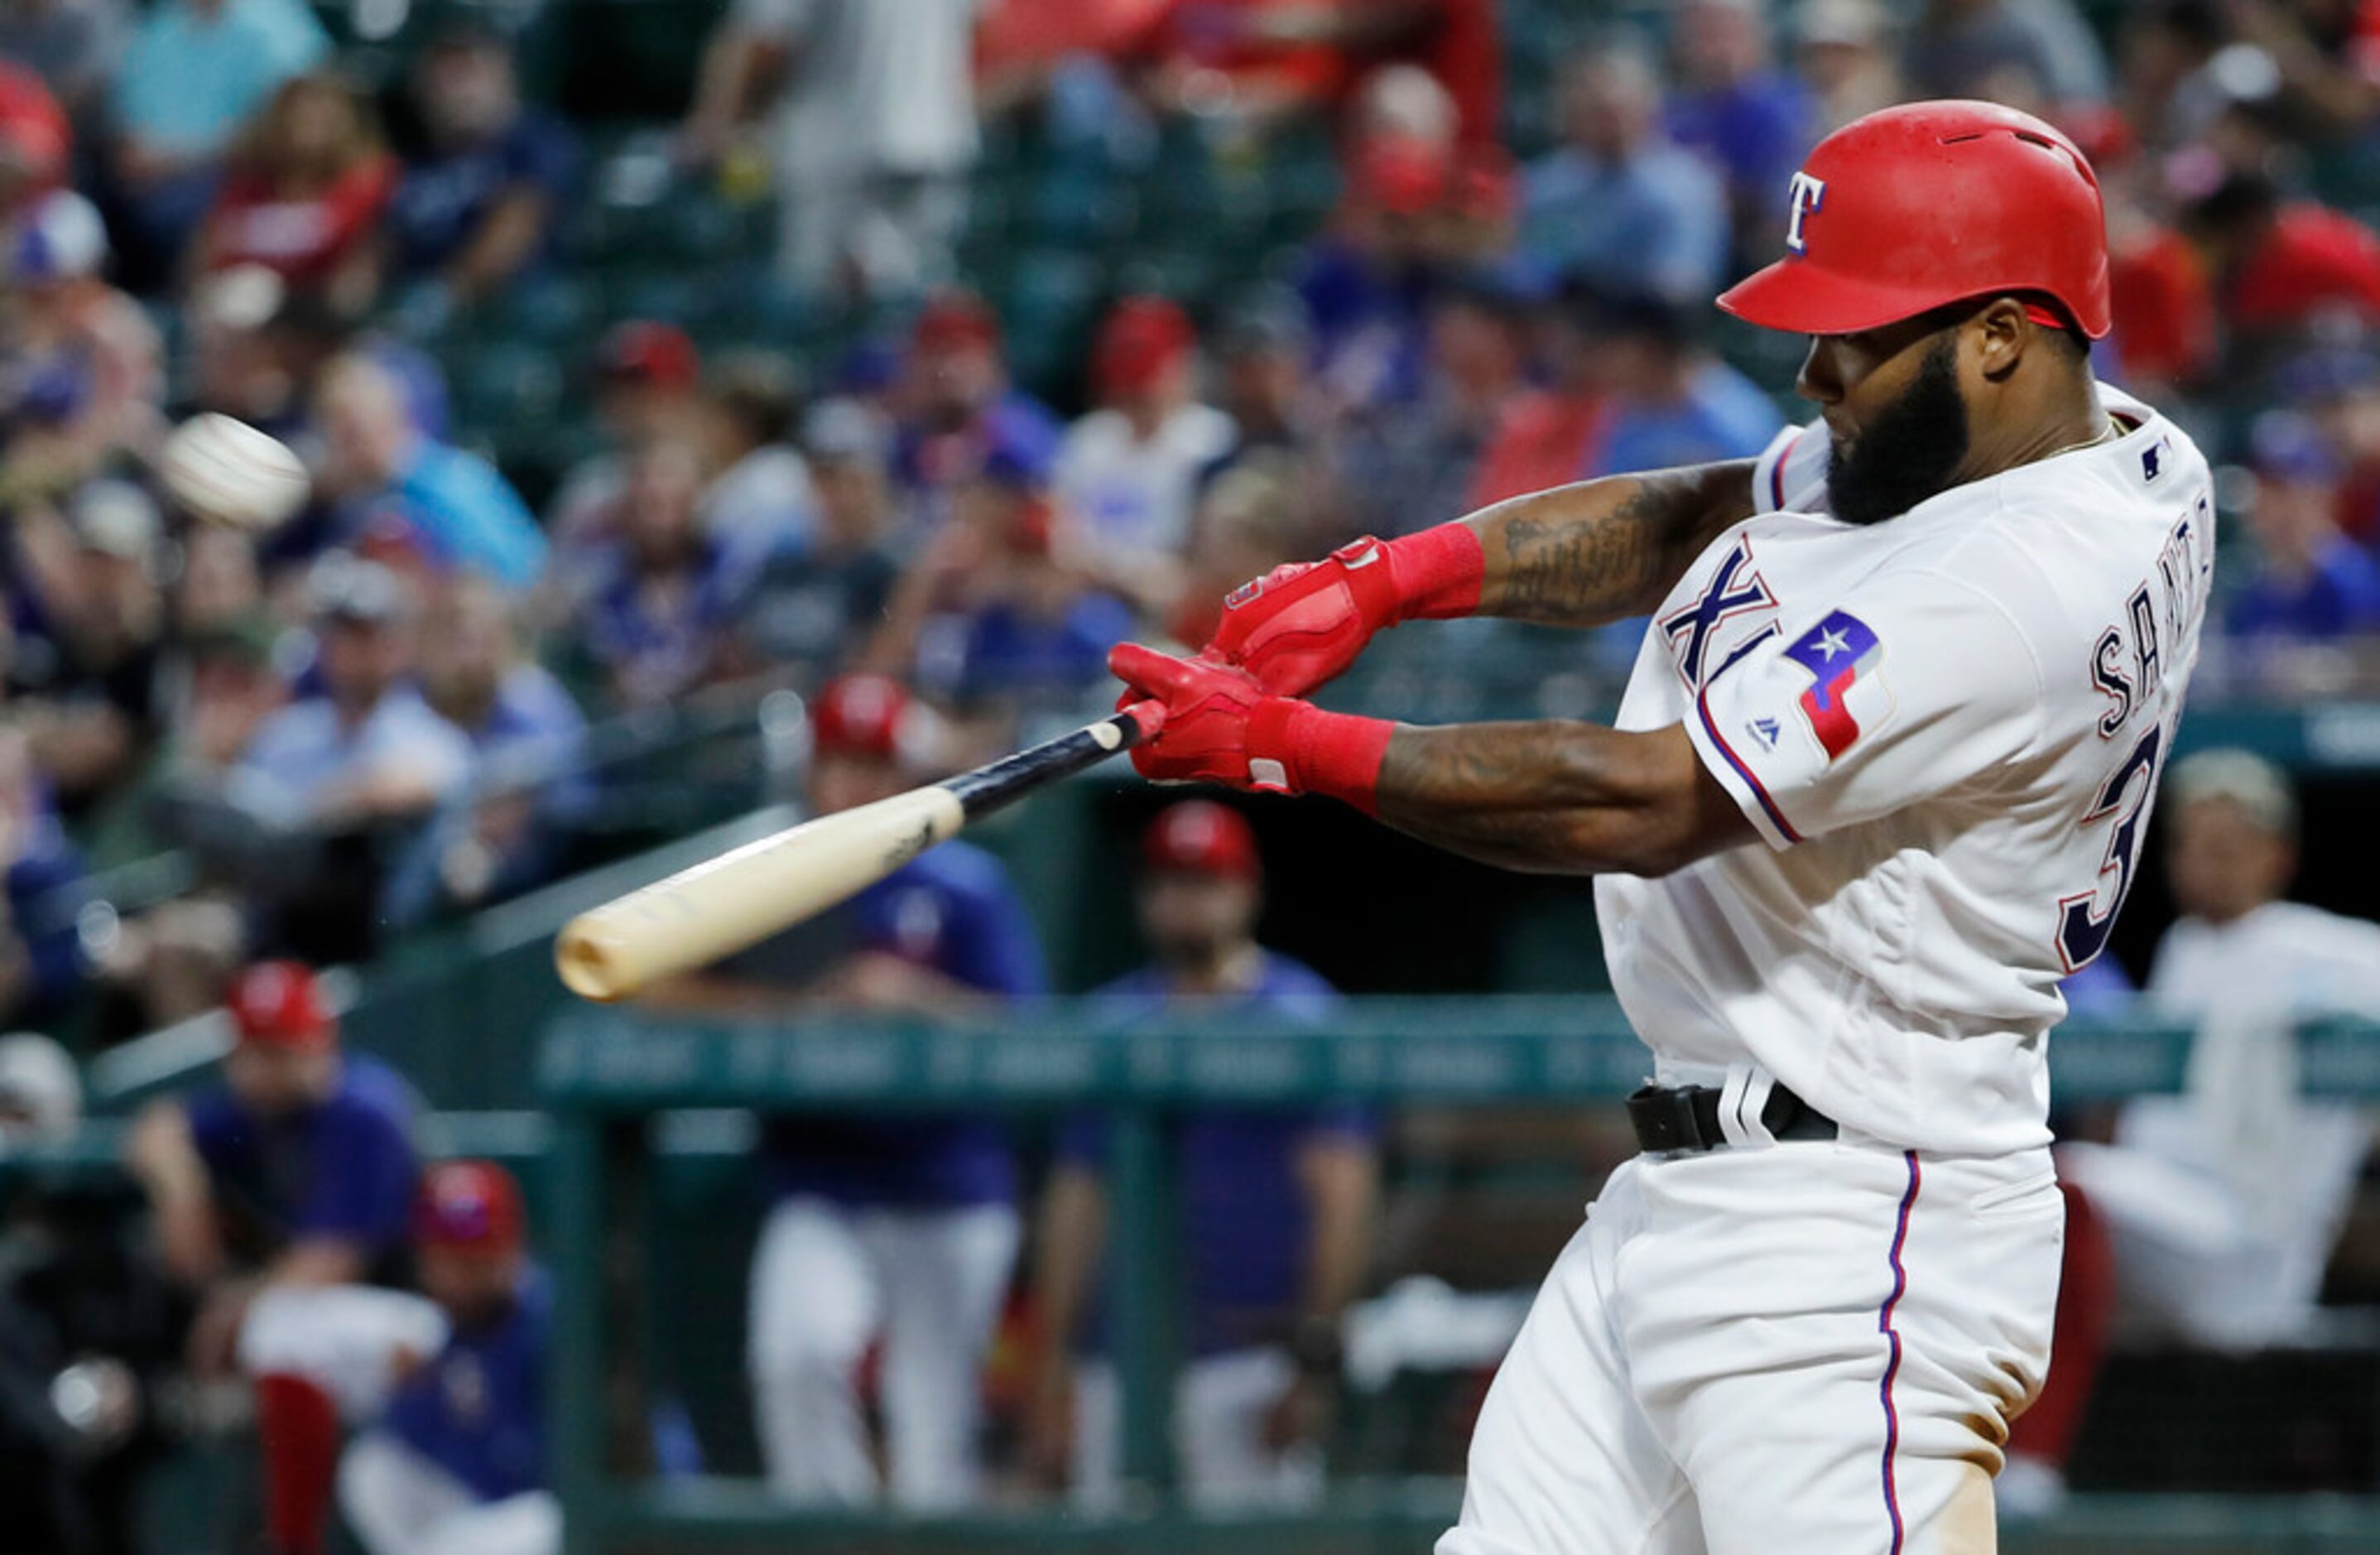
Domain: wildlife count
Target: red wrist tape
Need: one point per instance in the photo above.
(1439, 573)
(1335, 754)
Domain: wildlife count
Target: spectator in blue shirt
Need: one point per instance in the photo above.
(1017, 626)
(665, 592)
(1619, 204)
(903, 1226)
(1733, 104)
(353, 773)
(2313, 583)
(1672, 404)
(194, 74)
(458, 1460)
(528, 788)
(480, 204)
(385, 478)
(954, 382)
(278, 1196)
(1276, 1212)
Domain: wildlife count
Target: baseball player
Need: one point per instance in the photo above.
(280, 1197)
(2224, 1201)
(457, 1464)
(1277, 1210)
(902, 1228)
(1878, 782)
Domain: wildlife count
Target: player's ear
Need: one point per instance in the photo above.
(1999, 334)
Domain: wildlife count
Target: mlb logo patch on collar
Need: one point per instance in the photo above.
(1842, 656)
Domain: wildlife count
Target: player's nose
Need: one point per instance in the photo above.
(1821, 379)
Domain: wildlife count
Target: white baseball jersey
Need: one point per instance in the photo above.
(1948, 728)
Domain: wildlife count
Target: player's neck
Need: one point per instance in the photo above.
(1232, 968)
(2069, 416)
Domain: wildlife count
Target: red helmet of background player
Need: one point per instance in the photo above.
(471, 1206)
(280, 1003)
(860, 715)
(1200, 837)
(1930, 203)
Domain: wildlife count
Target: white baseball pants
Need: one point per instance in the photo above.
(1220, 1404)
(399, 1502)
(1802, 1349)
(344, 1338)
(826, 1279)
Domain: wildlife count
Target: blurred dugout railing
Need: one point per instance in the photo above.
(605, 1075)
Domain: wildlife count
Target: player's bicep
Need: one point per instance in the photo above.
(1855, 711)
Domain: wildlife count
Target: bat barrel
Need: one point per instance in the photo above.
(731, 903)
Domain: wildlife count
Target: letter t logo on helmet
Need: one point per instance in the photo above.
(1928, 204)
(1808, 195)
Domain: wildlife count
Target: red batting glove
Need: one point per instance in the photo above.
(1220, 726)
(1302, 624)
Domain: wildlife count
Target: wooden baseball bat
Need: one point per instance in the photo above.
(724, 904)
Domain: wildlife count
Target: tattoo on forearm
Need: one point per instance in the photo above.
(1583, 555)
(1559, 569)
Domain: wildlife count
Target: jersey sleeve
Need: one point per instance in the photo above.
(1914, 685)
(1791, 474)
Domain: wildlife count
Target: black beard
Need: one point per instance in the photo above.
(1906, 454)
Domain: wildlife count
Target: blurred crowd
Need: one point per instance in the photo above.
(390, 710)
(381, 712)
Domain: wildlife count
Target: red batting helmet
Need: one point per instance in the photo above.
(472, 1205)
(1931, 203)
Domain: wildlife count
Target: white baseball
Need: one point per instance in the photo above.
(226, 470)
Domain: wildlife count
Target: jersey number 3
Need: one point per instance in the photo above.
(2082, 929)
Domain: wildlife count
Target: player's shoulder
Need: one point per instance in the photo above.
(1291, 982)
(371, 1095)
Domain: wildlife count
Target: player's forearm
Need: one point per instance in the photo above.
(1074, 1225)
(319, 1260)
(1341, 1181)
(1601, 550)
(1555, 796)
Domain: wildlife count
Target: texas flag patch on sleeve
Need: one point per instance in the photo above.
(1843, 658)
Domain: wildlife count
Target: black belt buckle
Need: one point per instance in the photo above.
(1667, 1118)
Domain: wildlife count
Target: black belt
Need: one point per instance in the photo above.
(1686, 1118)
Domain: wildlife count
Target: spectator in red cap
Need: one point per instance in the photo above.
(665, 592)
(456, 1465)
(280, 1197)
(647, 384)
(955, 381)
(36, 142)
(996, 616)
(1128, 472)
(1278, 1211)
(898, 1227)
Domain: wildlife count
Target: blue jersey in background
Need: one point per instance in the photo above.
(345, 1168)
(1245, 1220)
(476, 1409)
(952, 910)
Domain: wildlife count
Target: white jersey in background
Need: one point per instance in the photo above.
(1948, 727)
